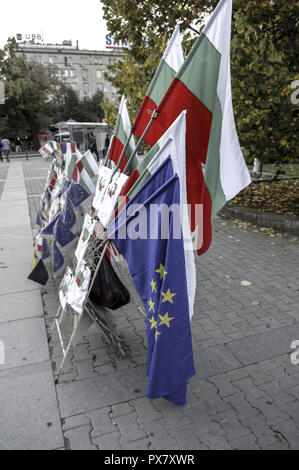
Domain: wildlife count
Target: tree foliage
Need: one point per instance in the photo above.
(27, 88)
(36, 98)
(264, 54)
(66, 104)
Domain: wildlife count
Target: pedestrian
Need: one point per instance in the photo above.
(107, 141)
(18, 144)
(93, 146)
(5, 146)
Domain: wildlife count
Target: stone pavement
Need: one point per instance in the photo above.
(245, 392)
(29, 415)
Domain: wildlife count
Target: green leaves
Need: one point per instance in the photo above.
(264, 54)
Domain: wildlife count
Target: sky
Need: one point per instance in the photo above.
(57, 20)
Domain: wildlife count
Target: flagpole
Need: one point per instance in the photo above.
(153, 117)
(124, 150)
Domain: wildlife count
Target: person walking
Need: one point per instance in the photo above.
(18, 144)
(5, 147)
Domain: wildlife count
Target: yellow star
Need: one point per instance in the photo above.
(165, 319)
(153, 284)
(167, 297)
(157, 334)
(151, 305)
(152, 322)
(161, 271)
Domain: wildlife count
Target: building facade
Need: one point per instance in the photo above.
(82, 69)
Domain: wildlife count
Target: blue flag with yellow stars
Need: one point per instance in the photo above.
(57, 257)
(77, 194)
(158, 268)
(62, 234)
(48, 229)
(45, 249)
(68, 215)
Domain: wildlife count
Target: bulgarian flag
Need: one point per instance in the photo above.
(70, 160)
(203, 87)
(121, 133)
(85, 169)
(169, 65)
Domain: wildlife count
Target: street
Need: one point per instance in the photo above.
(246, 389)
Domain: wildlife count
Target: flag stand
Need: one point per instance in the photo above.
(109, 330)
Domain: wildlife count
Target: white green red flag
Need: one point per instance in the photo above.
(85, 170)
(169, 65)
(203, 87)
(70, 158)
(121, 133)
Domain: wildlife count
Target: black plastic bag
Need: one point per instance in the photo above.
(39, 274)
(107, 289)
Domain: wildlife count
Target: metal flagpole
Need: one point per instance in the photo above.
(153, 117)
(124, 150)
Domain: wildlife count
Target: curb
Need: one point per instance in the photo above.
(280, 222)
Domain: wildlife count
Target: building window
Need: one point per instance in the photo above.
(99, 74)
(50, 60)
(65, 61)
(73, 73)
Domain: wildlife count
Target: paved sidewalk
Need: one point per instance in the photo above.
(29, 413)
(245, 393)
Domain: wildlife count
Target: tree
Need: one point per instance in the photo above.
(27, 89)
(264, 53)
(68, 105)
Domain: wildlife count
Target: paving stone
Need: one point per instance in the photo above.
(75, 422)
(214, 402)
(159, 437)
(30, 419)
(261, 429)
(186, 438)
(264, 345)
(203, 423)
(232, 427)
(100, 391)
(223, 385)
(243, 408)
(79, 439)
(215, 442)
(85, 369)
(121, 409)
(129, 429)
(250, 390)
(108, 442)
(245, 443)
(271, 412)
(145, 409)
(101, 422)
(289, 432)
(278, 395)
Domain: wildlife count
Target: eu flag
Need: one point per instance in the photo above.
(45, 249)
(62, 234)
(57, 257)
(63, 147)
(38, 219)
(158, 268)
(77, 194)
(48, 229)
(68, 215)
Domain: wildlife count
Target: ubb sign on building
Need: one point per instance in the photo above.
(29, 37)
(113, 44)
